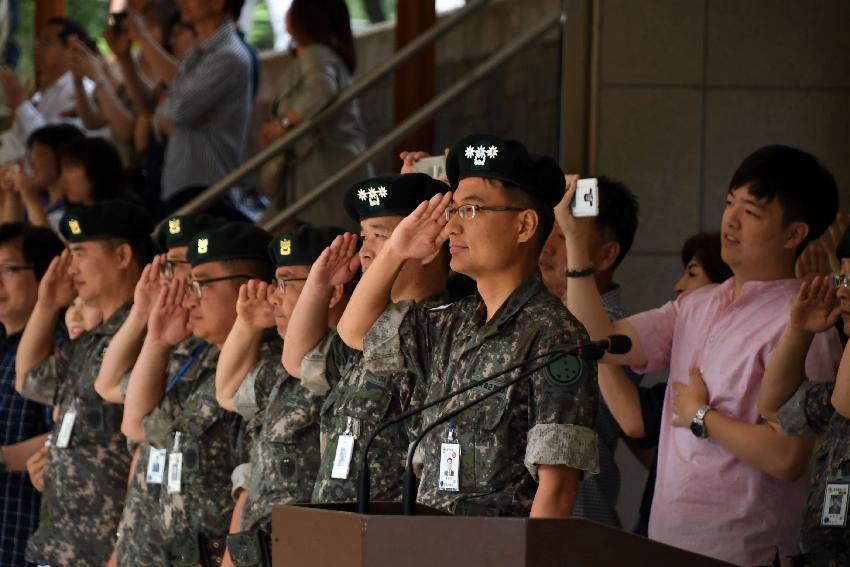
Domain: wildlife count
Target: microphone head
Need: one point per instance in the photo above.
(619, 344)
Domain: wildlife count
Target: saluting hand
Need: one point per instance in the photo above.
(169, 319)
(253, 307)
(149, 285)
(421, 234)
(56, 289)
(337, 264)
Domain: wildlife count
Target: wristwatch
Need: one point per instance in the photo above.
(698, 422)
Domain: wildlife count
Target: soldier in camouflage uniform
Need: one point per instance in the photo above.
(520, 451)
(285, 447)
(358, 400)
(178, 411)
(86, 474)
(803, 407)
(139, 541)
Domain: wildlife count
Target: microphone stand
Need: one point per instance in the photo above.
(363, 478)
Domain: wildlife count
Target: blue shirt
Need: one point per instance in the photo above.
(20, 420)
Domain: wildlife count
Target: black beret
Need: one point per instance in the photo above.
(178, 230)
(230, 241)
(303, 247)
(843, 248)
(507, 161)
(107, 219)
(390, 195)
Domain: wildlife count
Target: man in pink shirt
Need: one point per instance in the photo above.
(730, 485)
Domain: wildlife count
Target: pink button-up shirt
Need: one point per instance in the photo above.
(706, 500)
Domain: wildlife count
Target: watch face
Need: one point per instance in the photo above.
(697, 429)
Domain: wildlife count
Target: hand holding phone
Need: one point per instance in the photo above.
(586, 199)
(434, 166)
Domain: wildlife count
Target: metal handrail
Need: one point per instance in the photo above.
(416, 120)
(365, 82)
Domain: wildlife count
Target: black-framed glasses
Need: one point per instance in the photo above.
(166, 269)
(839, 280)
(10, 270)
(195, 287)
(281, 283)
(467, 212)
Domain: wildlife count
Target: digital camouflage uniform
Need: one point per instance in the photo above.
(85, 483)
(139, 540)
(542, 420)
(810, 412)
(212, 444)
(367, 399)
(285, 448)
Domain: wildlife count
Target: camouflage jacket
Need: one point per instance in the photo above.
(810, 412)
(212, 443)
(139, 538)
(285, 449)
(546, 419)
(86, 482)
(364, 399)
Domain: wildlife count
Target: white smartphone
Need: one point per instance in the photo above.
(586, 200)
(435, 166)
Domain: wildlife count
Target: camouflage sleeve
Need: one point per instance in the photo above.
(41, 383)
(157, 424)
(563, 403)
(314, 366)
(382, 345)
(239, 478)
(808, 411)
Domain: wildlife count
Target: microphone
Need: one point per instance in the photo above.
(615, 344)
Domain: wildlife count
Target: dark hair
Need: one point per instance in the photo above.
(38, 245)
(143, 249)
(71, 27)
(326, 22)
(545, 215)
(618, 215)
(234, 8)
(102, 165)
(705, 248)
(55, 136)
(806, 190)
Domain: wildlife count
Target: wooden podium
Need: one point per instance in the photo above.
(333, 535)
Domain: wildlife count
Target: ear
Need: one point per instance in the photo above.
(336, 296)
(528, 223)
(606, 256)
(124, 254)
(795, 234)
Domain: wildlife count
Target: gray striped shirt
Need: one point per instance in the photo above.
(209, 104)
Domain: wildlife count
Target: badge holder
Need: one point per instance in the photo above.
(344, 452)
(450, 462)
(67, 426)
(156, 466)
(175, 466)
(835, 504)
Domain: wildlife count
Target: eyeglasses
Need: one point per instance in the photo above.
(283, 282)
(166, 269)
(839, 280)
(467, 212)
(195, 287)
(8, 271)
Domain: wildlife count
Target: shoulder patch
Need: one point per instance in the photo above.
(565, 371)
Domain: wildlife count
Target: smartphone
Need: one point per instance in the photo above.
(586, 200)
(116, 21)
(434, 166)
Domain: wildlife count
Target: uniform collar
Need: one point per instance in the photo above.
(529, 288)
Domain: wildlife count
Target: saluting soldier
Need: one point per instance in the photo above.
(86, 474)
(523, 450)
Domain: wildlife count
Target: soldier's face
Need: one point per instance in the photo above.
(212, 316)
(180, 267)
(18, 287)
(488, 243)
(93, 267)
(284, 302)
(374, 233)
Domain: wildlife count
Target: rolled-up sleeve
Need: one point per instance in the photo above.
(41, 383)
(239, 479)
(808, 411)
(574, 446)
(382, 345)
(157, 425)
(315, 365)
(654, 330)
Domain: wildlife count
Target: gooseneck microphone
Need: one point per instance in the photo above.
(615, 344)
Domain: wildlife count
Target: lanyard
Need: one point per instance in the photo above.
(195, 354)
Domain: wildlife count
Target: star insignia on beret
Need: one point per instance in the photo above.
(285, 247)
(174, 226)
(480, 154)
(203, 245)
(74, 227)
(373, 195)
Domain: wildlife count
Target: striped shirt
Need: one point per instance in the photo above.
(20, 419)
(209, 106)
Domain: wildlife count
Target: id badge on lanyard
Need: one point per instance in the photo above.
(175, 466)
(449, 479)
(344, 451)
